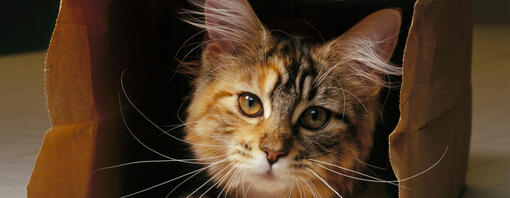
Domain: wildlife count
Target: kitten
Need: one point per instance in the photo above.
(275, 116)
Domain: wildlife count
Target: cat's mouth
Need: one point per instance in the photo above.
(269, 181)
(269, 175)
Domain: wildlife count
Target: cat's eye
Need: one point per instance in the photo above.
(314, 118)
(250, 105)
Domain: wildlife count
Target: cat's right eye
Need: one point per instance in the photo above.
(315, 118)
(250, 105)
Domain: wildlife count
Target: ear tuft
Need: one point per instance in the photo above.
(368, 46)
(231, 23)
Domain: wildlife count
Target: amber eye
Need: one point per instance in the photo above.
(250, 105)
(315, 118)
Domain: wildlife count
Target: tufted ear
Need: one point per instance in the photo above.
(232, 25)
(367, 48)
(380, 30)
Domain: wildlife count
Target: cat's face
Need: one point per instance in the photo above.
(274, 114)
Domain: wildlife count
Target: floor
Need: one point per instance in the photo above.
(23, 119)
(489, 163)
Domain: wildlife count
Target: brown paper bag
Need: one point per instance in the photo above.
(435, 101)
(433, 131)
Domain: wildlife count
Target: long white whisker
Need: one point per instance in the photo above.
(168, 181)
(243, 192)
(179, 50)
(290, 190)
(189, 161)
(201, 186)
(149, 120)
(428, 169)
(399, 180)
(218, 182)
(309, 187)
(349, 170)
(227, 185)
(136, 138)
(177, 186)
(371, 165)
(325, 183)
(179, 110)
(375, 180)
(354, 96)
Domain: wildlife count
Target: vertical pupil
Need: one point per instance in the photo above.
(251, 101)
(314, 114)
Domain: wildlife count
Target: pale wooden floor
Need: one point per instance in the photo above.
(489, 164)
(23, 117)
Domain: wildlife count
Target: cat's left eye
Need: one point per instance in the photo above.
(315, 118)
(250, 105)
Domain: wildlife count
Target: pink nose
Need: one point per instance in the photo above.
(272, 156)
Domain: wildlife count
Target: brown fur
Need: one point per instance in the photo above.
(288, 75)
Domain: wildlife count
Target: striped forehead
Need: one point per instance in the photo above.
(296, 70)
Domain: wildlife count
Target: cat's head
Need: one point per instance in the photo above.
(274, 113)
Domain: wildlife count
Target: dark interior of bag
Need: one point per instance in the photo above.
(142, 96)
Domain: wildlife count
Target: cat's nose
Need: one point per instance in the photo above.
(272, 155)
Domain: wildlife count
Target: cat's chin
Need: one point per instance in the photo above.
(268, 183)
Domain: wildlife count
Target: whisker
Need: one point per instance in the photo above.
(352, 171)
(428, 169)
(376, 180)
(200, 45)
(227, 185)
(290, 190)
(179, 50)
(218, 182)
(370, 165)
(313, 187)
(315, 29)
(140, 142)
(136, 138)
(177, 186)
(354, 96)
(310, 187)
(207, 181)
(244, 182)
(181, 183)
(179, 110)
(189, 161)
(284, 32)
(242, 186)
(324, 182)
(168, 181)
(300, 192)
(149, 120)
(398, 180)
(175, 125)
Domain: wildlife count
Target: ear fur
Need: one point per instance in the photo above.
(380, 28)
(367, 48)
(232, 24)
(233, 30)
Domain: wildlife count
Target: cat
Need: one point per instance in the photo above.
(274, 116)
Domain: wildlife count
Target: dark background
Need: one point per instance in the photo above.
(26, 25)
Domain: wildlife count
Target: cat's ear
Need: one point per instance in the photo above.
(232, 25)
(367, 48)
(380, 30)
